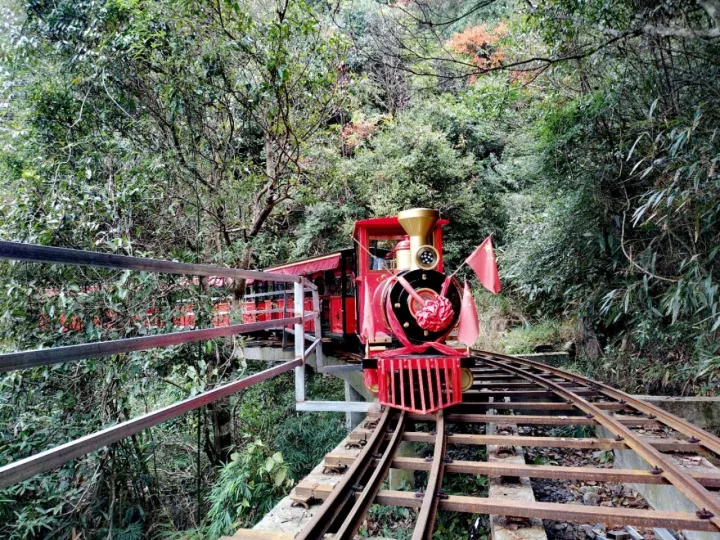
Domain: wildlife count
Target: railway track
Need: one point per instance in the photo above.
(510, 390)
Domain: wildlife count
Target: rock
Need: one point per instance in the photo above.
(591, 498)
(569, 348)
(619, 535)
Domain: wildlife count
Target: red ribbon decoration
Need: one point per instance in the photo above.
(408, 347)
(435, 314)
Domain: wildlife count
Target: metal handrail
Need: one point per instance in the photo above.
(69, 353)
(252, 296)
(54, 255)
(49, 459)
(55, 457)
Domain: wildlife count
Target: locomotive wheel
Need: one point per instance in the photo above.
(466, 379)
(427, 283)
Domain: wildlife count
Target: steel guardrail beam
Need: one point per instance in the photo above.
(57, 355)
(55, 457)
(54, 255)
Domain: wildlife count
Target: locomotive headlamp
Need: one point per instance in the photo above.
(418, 223)
(427, 257)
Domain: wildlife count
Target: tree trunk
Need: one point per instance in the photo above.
(222, 429)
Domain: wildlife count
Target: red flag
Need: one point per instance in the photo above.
(368, 321)
(468, 327)
(483, 262)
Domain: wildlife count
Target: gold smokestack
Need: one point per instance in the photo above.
(417, 222)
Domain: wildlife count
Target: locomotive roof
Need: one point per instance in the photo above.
(388, 225)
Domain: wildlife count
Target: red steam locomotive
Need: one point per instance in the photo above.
(391, 296)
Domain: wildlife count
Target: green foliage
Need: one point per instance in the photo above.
(523, 339)
(247, 133)
(389, 521)
(247, 488)
(305, 439)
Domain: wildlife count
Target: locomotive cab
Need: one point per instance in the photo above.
(407, 308)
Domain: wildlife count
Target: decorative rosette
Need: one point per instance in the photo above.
(435, 315)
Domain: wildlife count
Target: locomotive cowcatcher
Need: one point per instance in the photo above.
(390, 295)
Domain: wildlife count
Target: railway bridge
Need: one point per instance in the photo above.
(504, 412)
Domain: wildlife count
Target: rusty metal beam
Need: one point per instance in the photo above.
(476, 395)
(431, 498)
(589, 443)
(575, 513)
(525, 420)
(585, 474)
(540, 406)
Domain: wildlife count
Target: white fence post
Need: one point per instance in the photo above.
(299, 307)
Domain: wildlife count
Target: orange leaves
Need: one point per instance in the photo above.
(481, 44)
(355, 133)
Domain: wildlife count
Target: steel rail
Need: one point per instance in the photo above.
(690, 487)
(554, 472)
(708, 440)
(336, 501)
(54, 255)
(57, 355)
(428, 511)
(55, 457)
(363, 502)
(576, 513)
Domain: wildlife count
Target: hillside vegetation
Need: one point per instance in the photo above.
(583, 134)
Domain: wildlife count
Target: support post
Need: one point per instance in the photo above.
(299, 307)
(352, 419)
(318, 328)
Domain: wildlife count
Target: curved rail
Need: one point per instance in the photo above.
(690, 487)
(428, 510)
(354, 519)
(708, 440)
(563, 394)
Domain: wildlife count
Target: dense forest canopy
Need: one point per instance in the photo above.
(583, 134)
